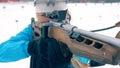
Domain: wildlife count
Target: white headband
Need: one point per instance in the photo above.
(43, 7)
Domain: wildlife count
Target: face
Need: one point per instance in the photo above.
(42, 19)
(54, 32)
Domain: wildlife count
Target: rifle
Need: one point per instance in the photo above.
(97, 47)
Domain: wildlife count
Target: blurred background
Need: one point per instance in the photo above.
(89, 15)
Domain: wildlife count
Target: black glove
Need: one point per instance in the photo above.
(49, 53)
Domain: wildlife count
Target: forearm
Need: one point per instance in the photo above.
(16, 47)
(12, 51)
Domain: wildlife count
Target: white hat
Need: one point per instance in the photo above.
(44, 7)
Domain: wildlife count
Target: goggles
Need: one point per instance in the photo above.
(57, 16)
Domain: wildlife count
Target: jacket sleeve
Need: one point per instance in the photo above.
(16, 47)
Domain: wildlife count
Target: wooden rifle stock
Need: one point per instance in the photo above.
(96, 50)
(97, 47)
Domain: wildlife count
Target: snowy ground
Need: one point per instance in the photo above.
(15, 17)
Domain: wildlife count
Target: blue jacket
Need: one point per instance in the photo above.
(16, 47)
